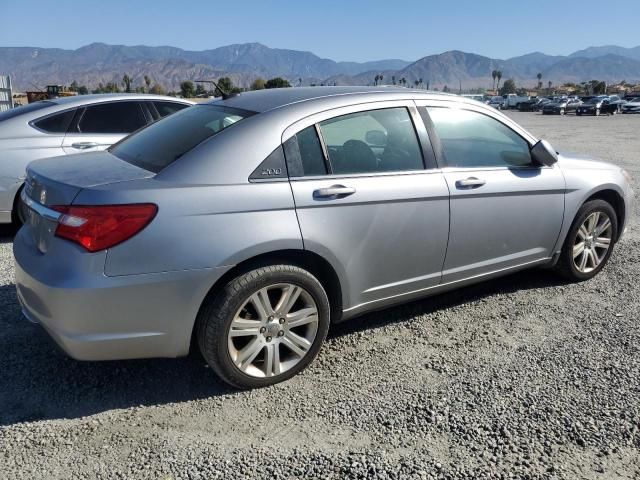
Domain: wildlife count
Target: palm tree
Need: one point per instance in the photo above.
(147, 82)
(381, 77)
(420, 81)
(539, 77)
(126, 83)
(494, 74)
(499, 75)
(416, 83)
(375, 81)
(393, 79)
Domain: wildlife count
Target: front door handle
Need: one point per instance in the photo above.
(471, 182)
(84, 145)
(334, 191)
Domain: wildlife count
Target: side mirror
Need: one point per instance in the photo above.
(376, 138)
(543, 154)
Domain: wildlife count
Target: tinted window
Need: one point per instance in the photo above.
(471, 139)
(311, 155)
(31, 107)
(117, 117)
(58, 123)
(167, 108)
(160, 144)
(373, 141)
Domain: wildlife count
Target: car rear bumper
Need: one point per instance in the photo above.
(96, 317)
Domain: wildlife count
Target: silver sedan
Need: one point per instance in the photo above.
(252, 223)
(69, 125)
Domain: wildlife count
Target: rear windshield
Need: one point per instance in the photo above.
(162, 143)
(31, 107)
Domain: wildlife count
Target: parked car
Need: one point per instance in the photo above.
(251, 224)
(597, 106)
(632, 105)
(561, 107)
(68, 125)
(512, 100)
(533, 105)
(496, 102)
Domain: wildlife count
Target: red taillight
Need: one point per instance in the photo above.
(97, 227)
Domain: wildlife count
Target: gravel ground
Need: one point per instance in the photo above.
(523, 377)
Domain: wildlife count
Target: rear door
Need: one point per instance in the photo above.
(505, 211)
(97, 127)
(369, 199)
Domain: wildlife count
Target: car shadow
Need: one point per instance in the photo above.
(38, 382)
(7, 232)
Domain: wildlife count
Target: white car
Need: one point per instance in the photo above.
(632, 106)
(63, 126)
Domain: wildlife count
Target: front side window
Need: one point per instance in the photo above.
(116, 117)
(163, 142)
(373, 141)
(473, 140)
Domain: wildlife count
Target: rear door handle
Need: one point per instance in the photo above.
(334, 191)
(84, 145)
(471, 182)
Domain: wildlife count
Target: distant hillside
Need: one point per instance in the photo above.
(99, 62)
(168, 66)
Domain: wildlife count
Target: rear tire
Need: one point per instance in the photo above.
(588, 245)
(252, 336)
(16, 221)
(597, 112)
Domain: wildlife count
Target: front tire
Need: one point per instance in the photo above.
(590, 241)
(264, 326)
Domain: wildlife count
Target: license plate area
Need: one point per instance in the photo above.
(42, 222)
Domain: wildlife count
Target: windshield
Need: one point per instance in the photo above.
(162, 143)
(594, 100)
(31, 107)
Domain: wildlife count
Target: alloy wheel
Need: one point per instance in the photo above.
(273, 330)
(592, 242)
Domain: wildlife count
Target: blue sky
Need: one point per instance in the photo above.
(341, 30)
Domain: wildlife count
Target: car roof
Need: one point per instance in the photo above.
(269, 99)
(77, 100)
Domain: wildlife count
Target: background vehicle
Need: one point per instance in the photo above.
(512, 100)
(561, 107)
(632, 105)
(69, 125)
(597, 106)
(533, 105)
(256, 221)
(496, 102)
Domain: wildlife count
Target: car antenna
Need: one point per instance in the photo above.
(225, 94)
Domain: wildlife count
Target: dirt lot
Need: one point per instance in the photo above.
(525, 377)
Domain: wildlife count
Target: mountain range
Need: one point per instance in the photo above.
(32, 67)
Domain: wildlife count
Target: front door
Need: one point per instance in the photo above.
(505, 211)
(367, 201)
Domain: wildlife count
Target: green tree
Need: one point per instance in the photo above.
(508, 87)
(494, 74)
(200, 90)
(126, 83)
(277, 82)
(158, 90)
(83, 90)
(147, 82)
(258, 84)
(187, 89)
(445, 89)
(539, 77)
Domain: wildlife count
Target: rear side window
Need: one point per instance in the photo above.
(304, 150)
(31, 107)
(372, 141)
(160, 144)
(167, 108)
(473, 140)
(117, 117)
(58, 123)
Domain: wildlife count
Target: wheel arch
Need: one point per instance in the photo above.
(613, 198)
(314, 263)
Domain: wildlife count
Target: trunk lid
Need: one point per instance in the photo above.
(57, 181)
